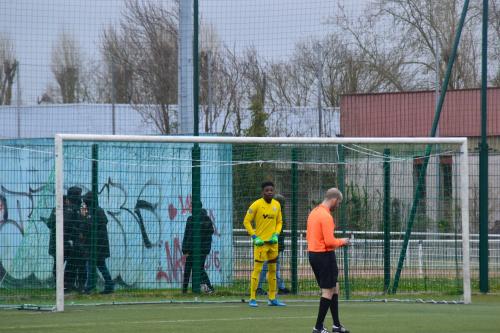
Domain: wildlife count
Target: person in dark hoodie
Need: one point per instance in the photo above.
(75, 267)
(73, 230)
(51, 225)
(206, 232)
(102, 243)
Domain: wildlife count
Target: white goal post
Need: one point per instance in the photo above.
(60, 139)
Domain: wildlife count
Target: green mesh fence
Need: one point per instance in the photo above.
(26, 200)
(128, 231)
(266, 68)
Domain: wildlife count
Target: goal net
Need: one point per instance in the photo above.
(109, 219)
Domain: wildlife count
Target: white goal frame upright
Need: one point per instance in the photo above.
(59, 179)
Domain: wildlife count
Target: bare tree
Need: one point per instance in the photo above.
(230, 95)
(423, 26)
(375, 50)
(67, 68)
(494, 56)
(143, 54)
(291, 82)
(254, 72)
(118, 72)
(225, 75)
(213, 93)
(8, 70)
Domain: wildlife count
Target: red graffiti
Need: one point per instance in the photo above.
(175, 263)
(172, 212)
(186, 206)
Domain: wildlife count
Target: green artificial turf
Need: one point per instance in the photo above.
(481, 316)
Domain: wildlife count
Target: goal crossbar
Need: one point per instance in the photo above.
(260, 140)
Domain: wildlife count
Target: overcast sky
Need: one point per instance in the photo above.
(273, 26)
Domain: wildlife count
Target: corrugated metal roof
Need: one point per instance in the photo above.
(410, 114)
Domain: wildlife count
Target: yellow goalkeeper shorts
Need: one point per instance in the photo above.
(265, 252)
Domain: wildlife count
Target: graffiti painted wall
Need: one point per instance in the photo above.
(145, 190)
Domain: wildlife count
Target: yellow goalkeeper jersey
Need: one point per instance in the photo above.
(266, 217)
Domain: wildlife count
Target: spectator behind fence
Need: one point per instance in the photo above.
(102, 244)
(74, 230)
(206, 232)
(51, 224)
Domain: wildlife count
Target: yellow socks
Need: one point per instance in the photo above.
(254, 282)
(271, 279)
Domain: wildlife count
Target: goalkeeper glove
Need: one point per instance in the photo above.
(257, 241)
(274, 239)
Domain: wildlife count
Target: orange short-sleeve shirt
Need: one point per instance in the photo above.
(320, 231)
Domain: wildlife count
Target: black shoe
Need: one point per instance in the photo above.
(261, 292)
(283, 291)
(323, 330)
(340, 329)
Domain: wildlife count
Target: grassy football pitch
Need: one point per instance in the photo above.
(481, 316)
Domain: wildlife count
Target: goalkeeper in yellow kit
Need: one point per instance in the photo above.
(265, 213)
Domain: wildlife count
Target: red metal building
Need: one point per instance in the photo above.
(410, 114)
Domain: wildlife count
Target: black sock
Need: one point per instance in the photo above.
(334, 308)
(324, 305)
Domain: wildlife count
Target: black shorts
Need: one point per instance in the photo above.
(324, 266)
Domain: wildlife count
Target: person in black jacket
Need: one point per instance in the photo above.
(51, 224)
(102, 243)
(82, 248)
(206, 232)
(75, 266)
(74, 269)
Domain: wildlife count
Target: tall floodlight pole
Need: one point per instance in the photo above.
(196, 158)
(483, 162)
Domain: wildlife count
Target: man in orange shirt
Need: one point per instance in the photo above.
(321, 245)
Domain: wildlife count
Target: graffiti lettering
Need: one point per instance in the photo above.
(175, 263)
(213, 261)
(186, 206)
(24, 213)
(135, 220)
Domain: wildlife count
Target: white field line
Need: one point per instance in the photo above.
(146, 322)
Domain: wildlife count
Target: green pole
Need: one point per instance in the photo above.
(387, 221)
(93, 214)
(196, 212)
(421, 178)
(483, 162)
(196, 156)
(295, 219)
(341, 184)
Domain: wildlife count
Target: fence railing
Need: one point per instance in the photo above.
(430, 256)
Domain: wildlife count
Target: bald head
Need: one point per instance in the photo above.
(333, 198)
(333, 193)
